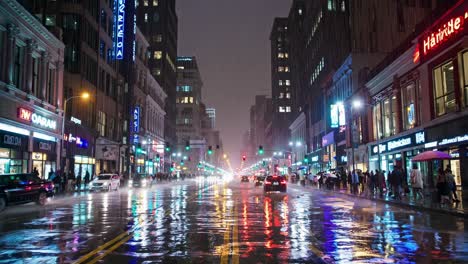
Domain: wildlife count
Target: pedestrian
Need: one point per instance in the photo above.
(57, 183)
(64, 182)
(350, 181)
(343, 178)
(452, 185)
(395, 178)
(35, 172)
(372, 182)
(443, 188)
(416, 181)
(355, 182)
(380, 182)
(71, 181)
(51, 175)
(361, 177)
(86, 178)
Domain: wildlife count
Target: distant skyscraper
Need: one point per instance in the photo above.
(211, 112)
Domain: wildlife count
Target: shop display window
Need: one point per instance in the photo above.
(444, 89)
(11, 162)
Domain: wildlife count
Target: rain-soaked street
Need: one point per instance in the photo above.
(213, 221)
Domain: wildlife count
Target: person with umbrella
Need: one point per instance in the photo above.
(416, 181)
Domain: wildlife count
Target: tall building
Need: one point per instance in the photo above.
(282, 88)
(31, 93)
(211, 112)
(260, 117)
(324, 36)
(158, 22)
(98, 60)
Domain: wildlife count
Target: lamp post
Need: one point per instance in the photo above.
(84, 96)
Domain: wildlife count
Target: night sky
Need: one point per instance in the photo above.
(230, 39)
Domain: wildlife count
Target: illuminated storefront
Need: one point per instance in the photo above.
(13, 152)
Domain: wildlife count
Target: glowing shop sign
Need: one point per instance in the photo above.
(119, 45)
(80, 142)
(443, 33)
(334, 115)
(136, 119)
(36, 119)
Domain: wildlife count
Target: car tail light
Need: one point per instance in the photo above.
(267, 182)
(283, 182)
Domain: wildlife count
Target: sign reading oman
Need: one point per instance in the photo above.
(36, 119)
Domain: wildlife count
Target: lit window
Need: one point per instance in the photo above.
(444, 89)
(288, 82)
(157, 54)
(155, 2)
(286, 69)
(281, 95)
(146, 17)
(159, 38)
(286, 55)
(280, 82)
(300, 11)
(280, 69)
(288, 95)
(280, 55)
(288, 109)
(343, 6)
(191, 100)
(145, 2)
(282, 109)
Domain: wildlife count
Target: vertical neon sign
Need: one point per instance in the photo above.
(119, 45)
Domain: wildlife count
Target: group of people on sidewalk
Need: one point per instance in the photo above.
(67, 182)
(396, 185)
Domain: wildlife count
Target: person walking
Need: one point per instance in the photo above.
(35, 172)
(355, 182)
(71, 181)
(395, 179)
(86, 179)
(416, 182)
(57, 183)
(452, 185)
(443, 187)
(380, 178)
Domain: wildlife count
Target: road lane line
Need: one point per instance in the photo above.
(129, 233)
(107, 244)
(235, 240)
(111, 249)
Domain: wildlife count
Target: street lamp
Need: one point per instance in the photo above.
(358, 104)
(84, 95)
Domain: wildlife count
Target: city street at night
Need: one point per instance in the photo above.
(215, 221)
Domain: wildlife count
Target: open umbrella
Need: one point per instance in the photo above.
(431, 155)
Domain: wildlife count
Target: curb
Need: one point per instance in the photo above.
(395, 203)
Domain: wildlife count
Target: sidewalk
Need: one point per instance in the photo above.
(429, 202)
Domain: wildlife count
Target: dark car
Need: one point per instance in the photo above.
(24, 188)
(274, 183)
(245, 179)
(140, 180)
(259, 180)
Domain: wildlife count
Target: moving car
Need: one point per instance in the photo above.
(105, 182)
(245, 179)
(139, 180)
(24, 188)
(274, 183)
(259, 180)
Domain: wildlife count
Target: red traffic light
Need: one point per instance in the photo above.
(244, 157)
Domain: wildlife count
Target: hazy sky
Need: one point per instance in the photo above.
(230, 39)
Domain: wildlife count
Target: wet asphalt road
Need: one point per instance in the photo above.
(211, 221)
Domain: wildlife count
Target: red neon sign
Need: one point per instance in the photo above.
(24, 114)
(443, 33)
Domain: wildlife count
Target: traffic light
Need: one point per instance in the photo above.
(138, 149)
(158, 158)
(172, 167)
(182, 163)
(244, 158)
(264, 163)
(168, 148)
(260, 150)
(199, 165)
(210, 150)
(306, 160)
(187, 145)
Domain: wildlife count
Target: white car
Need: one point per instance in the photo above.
(105, 182)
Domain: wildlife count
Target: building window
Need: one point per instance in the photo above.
(101, 124)
(280, 82)
(389, 110)
(280, 55)
(286, 55)
(288, 95)
(157, 55)
(145, 2)
(282, 109)
(146, 17)
(35, 77)
(377, 121)
(408, 95)
(465, 77)
(287, 82)
(280, 69)
(444, 89)
(156, 71)
(158, 38)
(17, 67)
(286, 69)
(155, 3)
(281, 95)
(288, 109)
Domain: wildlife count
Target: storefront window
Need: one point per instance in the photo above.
(11, 162)
(408, 94)
(465, 77)
(444, 89)
(377, 122)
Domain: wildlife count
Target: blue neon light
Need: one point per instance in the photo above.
(119, 45)
(136, 119)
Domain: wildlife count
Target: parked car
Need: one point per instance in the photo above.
(24, 188)
(105, 182)
(274, 183)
